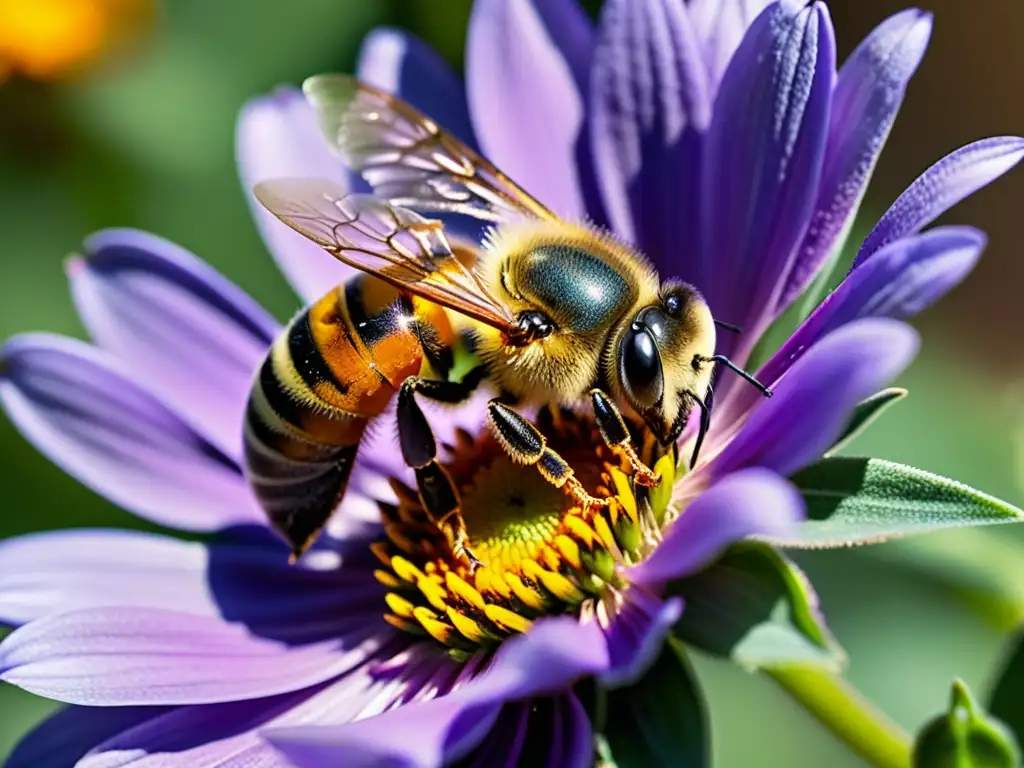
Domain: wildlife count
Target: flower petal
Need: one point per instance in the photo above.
(277, 136)
(321, 597)
(46, 573)
(900, 280)
(868, 94)
(526, 75)
(190, 335)
(227, 735)
(954, 177)
(88, 416)
(400, 63)
(764, 155)
(547, 659)
(646, 123)
(751, 501)
(504, 743)
(578, 743)
(552, 732)
(813, 401)
(721, 25)
(118, 656)
(67, 736)
(635, 635)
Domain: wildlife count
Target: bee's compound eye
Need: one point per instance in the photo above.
(640, 366)
(534, 325)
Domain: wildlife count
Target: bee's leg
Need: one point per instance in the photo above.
(616, 436)
(419, 450)
(526, 445)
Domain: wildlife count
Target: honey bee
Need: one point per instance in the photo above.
(558, 313)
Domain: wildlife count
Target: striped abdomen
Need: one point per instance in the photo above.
(335, 366)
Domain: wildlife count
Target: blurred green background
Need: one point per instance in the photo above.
(145, 138)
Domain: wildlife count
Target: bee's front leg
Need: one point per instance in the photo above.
(419, 450)
(526, 445)
(616, 436)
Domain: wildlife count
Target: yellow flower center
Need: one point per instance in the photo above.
(541, 554)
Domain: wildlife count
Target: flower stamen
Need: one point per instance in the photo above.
(542, 553)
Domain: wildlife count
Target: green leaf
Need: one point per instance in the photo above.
(1008, 696)
(864, 501)
(865, 413)
(661, 719)
(965, 738)
(757, 608)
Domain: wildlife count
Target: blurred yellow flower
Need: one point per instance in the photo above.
(45, 39)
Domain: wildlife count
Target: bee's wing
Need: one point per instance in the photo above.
(408, 159)
(392, 243)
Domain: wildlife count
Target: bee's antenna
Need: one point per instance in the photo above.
(728, 326)
(738, 371)
(705, 423)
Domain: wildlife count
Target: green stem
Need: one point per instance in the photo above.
(843, 710)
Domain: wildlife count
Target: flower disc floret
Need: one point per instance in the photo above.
(540, 553)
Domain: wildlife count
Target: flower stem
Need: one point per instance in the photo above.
(843, 710)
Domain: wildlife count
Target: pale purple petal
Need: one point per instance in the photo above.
(954, 177)
(67, 736)
(227, 735)
(721, 25)
(400, 63)
(191, 336)
(745, 503)
(46, 573)
(86, 414)
(222, 735)
(118, 656)
(764, 157)
(813, 401)
(646, 122)
(868, 94)
(323, 596)
(526, 68)
(277, 137)
(547, 659)
(635, 635)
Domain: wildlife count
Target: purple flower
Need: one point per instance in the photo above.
(726, 147)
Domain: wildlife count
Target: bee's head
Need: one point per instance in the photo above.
(661, 356)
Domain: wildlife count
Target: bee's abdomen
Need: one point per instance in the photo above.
(336, 366)
(298, 459)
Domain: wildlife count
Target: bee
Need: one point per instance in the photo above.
(558, 313)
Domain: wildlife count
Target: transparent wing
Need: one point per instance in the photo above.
(392, 243)
(408, 159)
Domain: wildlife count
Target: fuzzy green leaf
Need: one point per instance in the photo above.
(965, 738)
(864, 501)
(865, 413)
(757, 608)
(661, 719)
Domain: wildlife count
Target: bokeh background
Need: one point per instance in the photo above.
(133, 126)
